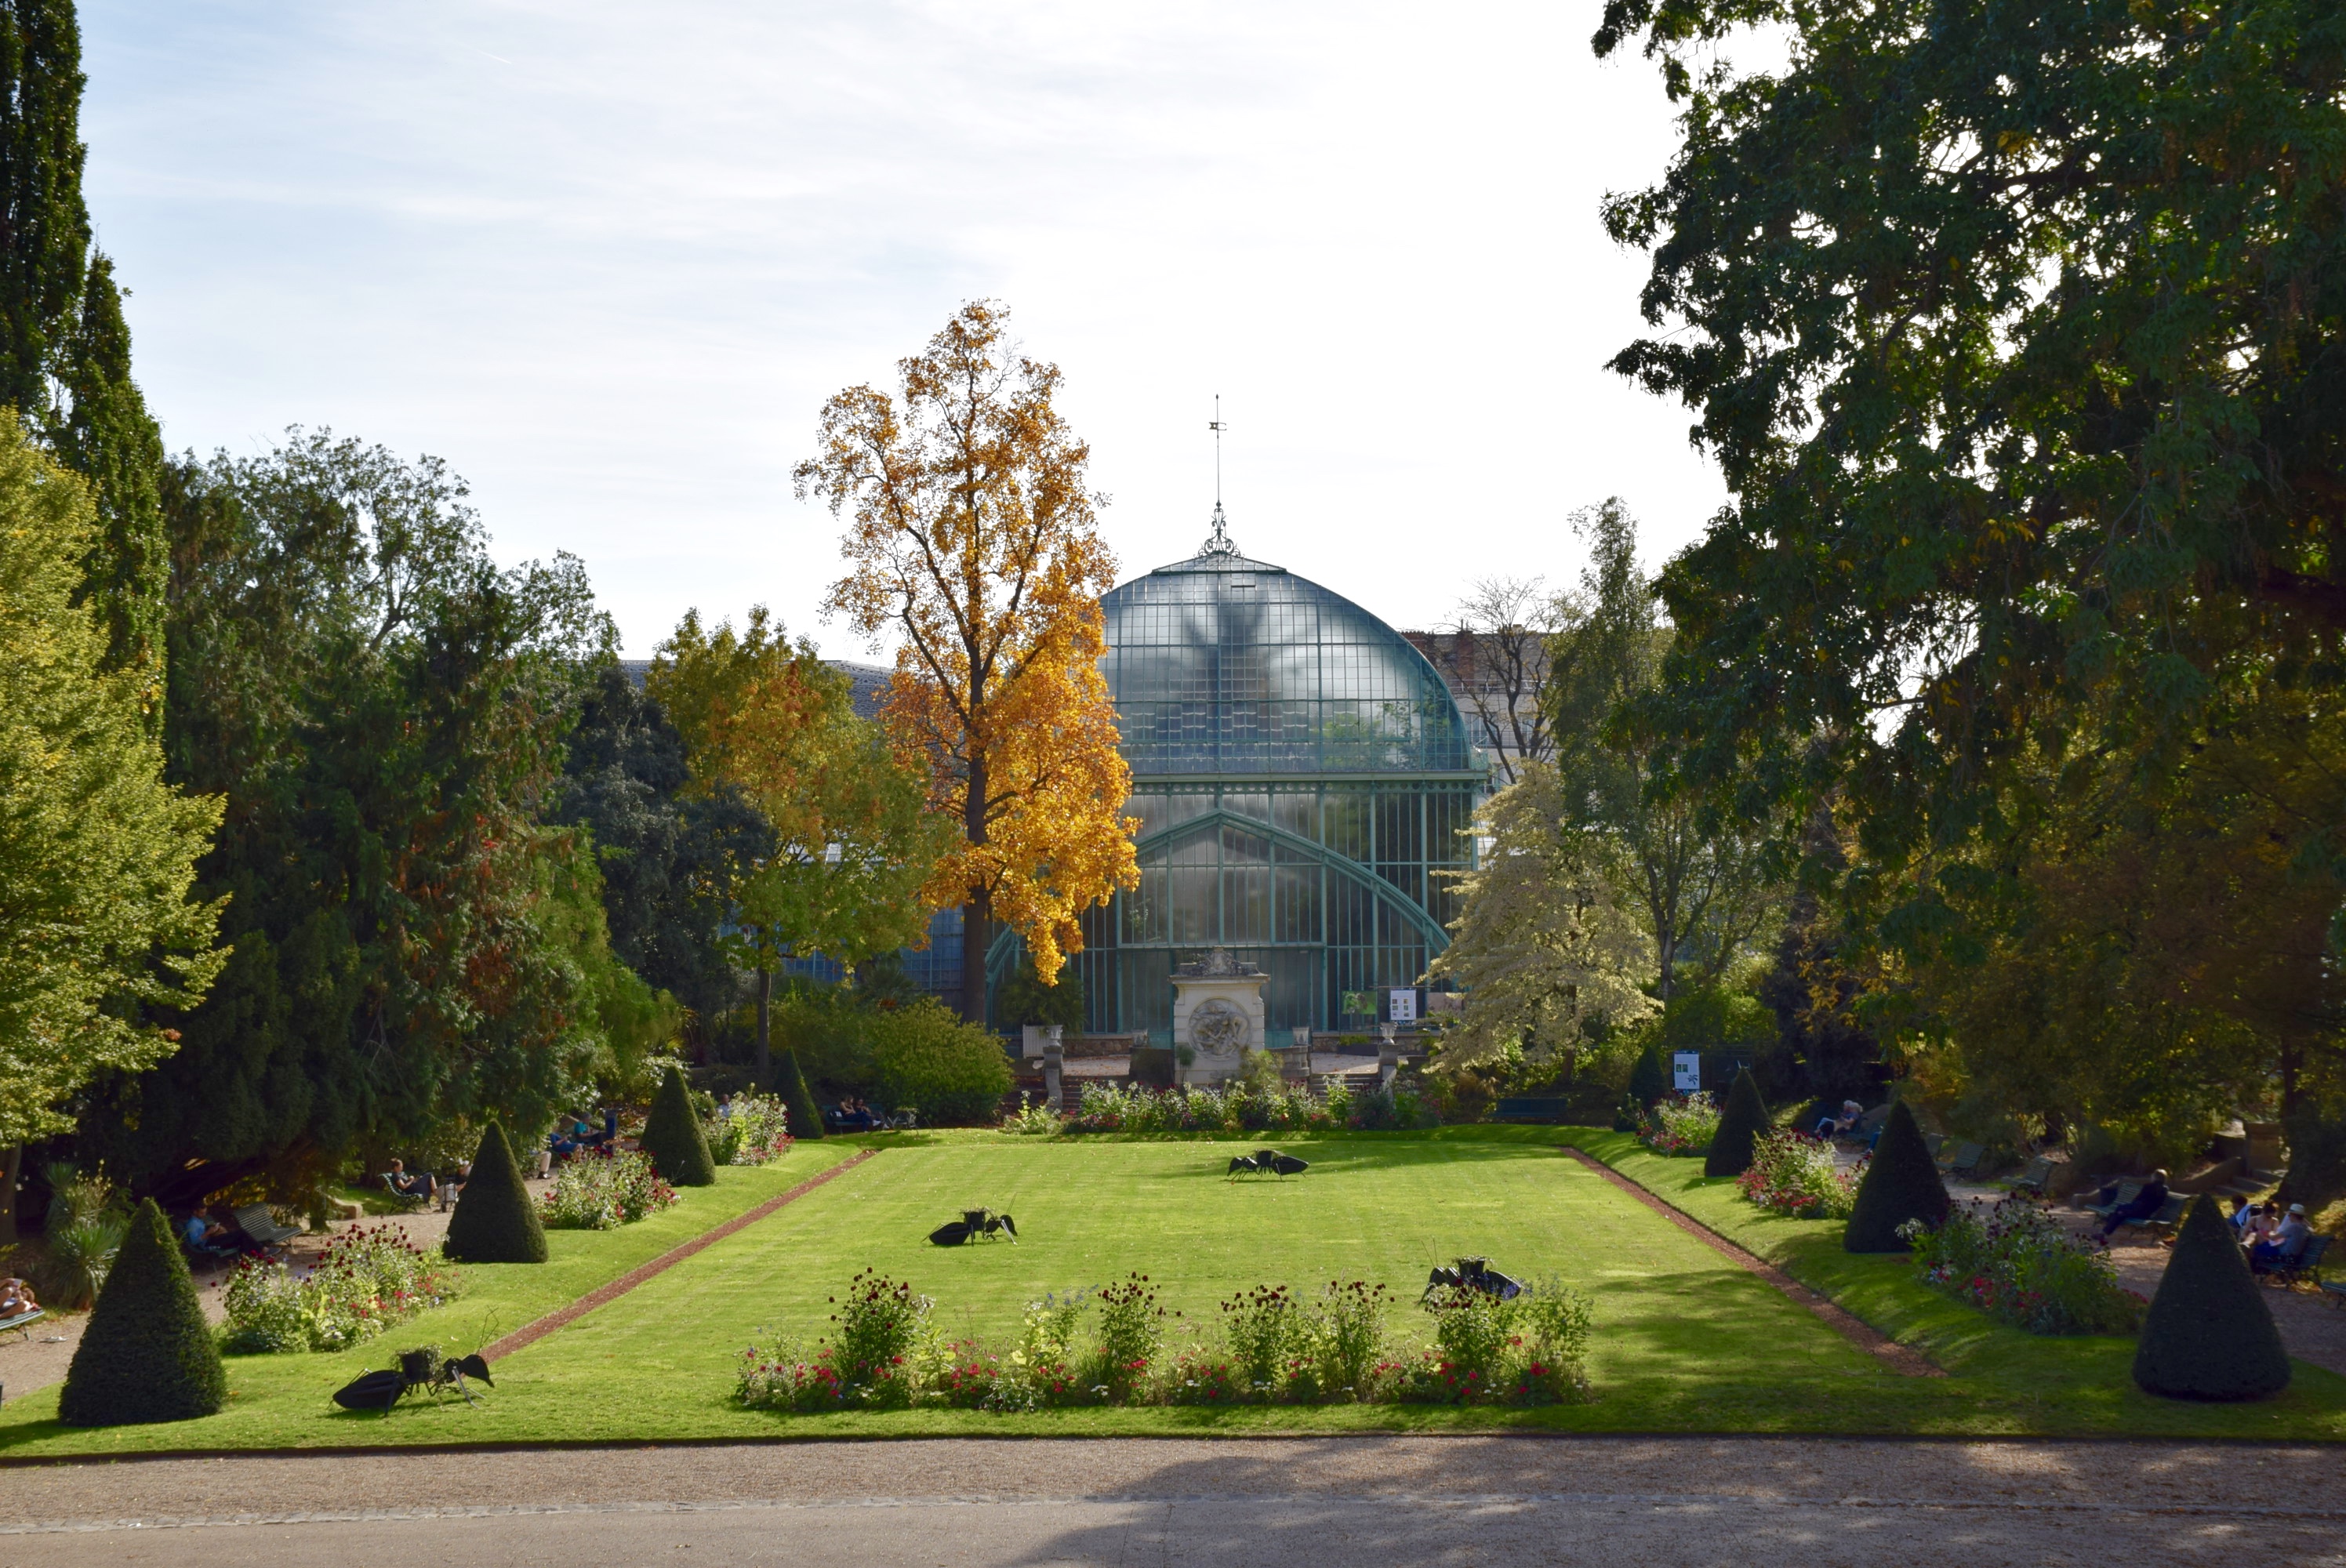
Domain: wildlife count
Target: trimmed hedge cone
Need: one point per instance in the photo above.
(673, 1139)
(148, 1354)
(2208, 1334)
(1742, 1121)
(790, 1085)
(495, 1221)
(1901, 1184)
(1650, 1080)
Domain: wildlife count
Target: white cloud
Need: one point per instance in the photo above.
(608, 261)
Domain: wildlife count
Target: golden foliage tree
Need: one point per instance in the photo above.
(973, 536)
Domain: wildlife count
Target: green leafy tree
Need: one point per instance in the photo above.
(383, 709)
(2015, 334)
(147, 1354)
(97, 854)
(1700, 881)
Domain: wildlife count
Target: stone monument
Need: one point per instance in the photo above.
(1217, 1013)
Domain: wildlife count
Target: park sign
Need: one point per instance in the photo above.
(1685, 1071)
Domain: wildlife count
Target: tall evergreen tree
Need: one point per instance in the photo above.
(108, 437)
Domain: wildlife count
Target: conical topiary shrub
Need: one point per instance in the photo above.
(2208, 1334)
(1744, 1119)
(1899, 1184)
(1650, 1080)
(495, 1221)
(673, 1139)
(806, 1120)
(147, 1355)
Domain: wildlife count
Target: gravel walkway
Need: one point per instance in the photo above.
(1354, 1502)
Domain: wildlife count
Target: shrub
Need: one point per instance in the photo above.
(1131, 1329)
(604, 1192)
(1792, 1173)
(927, 1061)
(147, 1354)
(2208, 1334)
(1528, 1350)
(1650, 1080)
(880, 1324)
(754, 1131)
(798, 1100)
(1681, 1125)
(1900, 1186)
(1742, 1123)
(1032, 1118)
(495, 1221)
(365, 1281)
(2019, 1265)
(672, 1137)
(1347, 1336)
(1266, 1330)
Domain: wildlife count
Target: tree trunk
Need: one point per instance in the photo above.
(765, 1019)
(11, 1164)
(976, 936)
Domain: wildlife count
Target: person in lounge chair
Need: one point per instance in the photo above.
(1840, 1127)
(16, 1298)
(415, 1186)
(2147, 1202)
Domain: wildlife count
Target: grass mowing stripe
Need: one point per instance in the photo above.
(529, 1333)
(1863, 1335)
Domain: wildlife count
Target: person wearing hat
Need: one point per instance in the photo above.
(2146, 1203)
(2287, 1242)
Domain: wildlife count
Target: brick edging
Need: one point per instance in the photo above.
(530, 1333)
(1901, 1358)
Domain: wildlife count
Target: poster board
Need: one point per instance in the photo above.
(1685, 1071)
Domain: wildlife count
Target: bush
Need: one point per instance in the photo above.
(494, 1222)
(872, 1362)
(797, 1099)
(1792, 1173)
(1131, 1329)
(753, 1131)
(1681, 1125)
(927, 1061)
(2021, 1266)
(604, 1192)
(1032, 1118)
(672, 1137)
(1528, 1350)
(148, 1354)
(1650, 1080)
(1902, 1186)
(1024, 999)
(365, 1281)
(1741, 1124)
(2208, 1334)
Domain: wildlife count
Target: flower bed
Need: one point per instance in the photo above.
(1681, 1125)
(1276, 1347)
(605, 1191)
(755, 1130)
(1121, 1108)
(365, 1281)
(1792, 1173)
(2019, 1265)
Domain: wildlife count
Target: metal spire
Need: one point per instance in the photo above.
(1219, 543)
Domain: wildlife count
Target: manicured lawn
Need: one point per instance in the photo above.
(1686, 1342)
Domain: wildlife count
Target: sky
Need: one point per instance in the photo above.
(608, 261)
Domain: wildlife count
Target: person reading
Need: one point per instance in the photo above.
(2146, 1203)
(415, 1186)
(16, 1298)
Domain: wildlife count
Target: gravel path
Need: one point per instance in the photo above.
(1357, 1502)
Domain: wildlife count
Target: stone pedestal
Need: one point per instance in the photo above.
(1054, 1059)
(1035, 1039)
(1218, 1014)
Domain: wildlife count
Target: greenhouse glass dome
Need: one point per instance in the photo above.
(1301, 774)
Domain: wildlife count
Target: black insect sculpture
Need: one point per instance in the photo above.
(421, 1368)
(974, 1224)
(1473, 1274)
(1269, 1160)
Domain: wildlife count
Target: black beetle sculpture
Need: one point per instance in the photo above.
(421, 1368)
(1269, 1160)
(1473, 1274)
(974, 1224)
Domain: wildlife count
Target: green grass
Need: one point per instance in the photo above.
(1686, 1342)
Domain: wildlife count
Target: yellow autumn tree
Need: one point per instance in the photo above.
(974, 538)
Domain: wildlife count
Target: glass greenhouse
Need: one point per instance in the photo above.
(1300, 772)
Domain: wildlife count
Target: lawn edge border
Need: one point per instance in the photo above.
(1904, 1360)
(529, 1333)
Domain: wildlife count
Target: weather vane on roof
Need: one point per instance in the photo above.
(1220, 544)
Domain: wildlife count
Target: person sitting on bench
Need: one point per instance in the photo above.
(1840, 1127)
(2146, 1203)
(16, 1298)
(2288, 1239)
(417, 1185)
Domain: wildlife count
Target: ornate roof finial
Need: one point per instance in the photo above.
(1218, 544)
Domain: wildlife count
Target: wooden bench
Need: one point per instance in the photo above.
(2170, 1215)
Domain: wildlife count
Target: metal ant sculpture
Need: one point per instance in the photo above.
(974, 1224)
(420, 1368)
(1473, 1274)
(1269, 1160)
